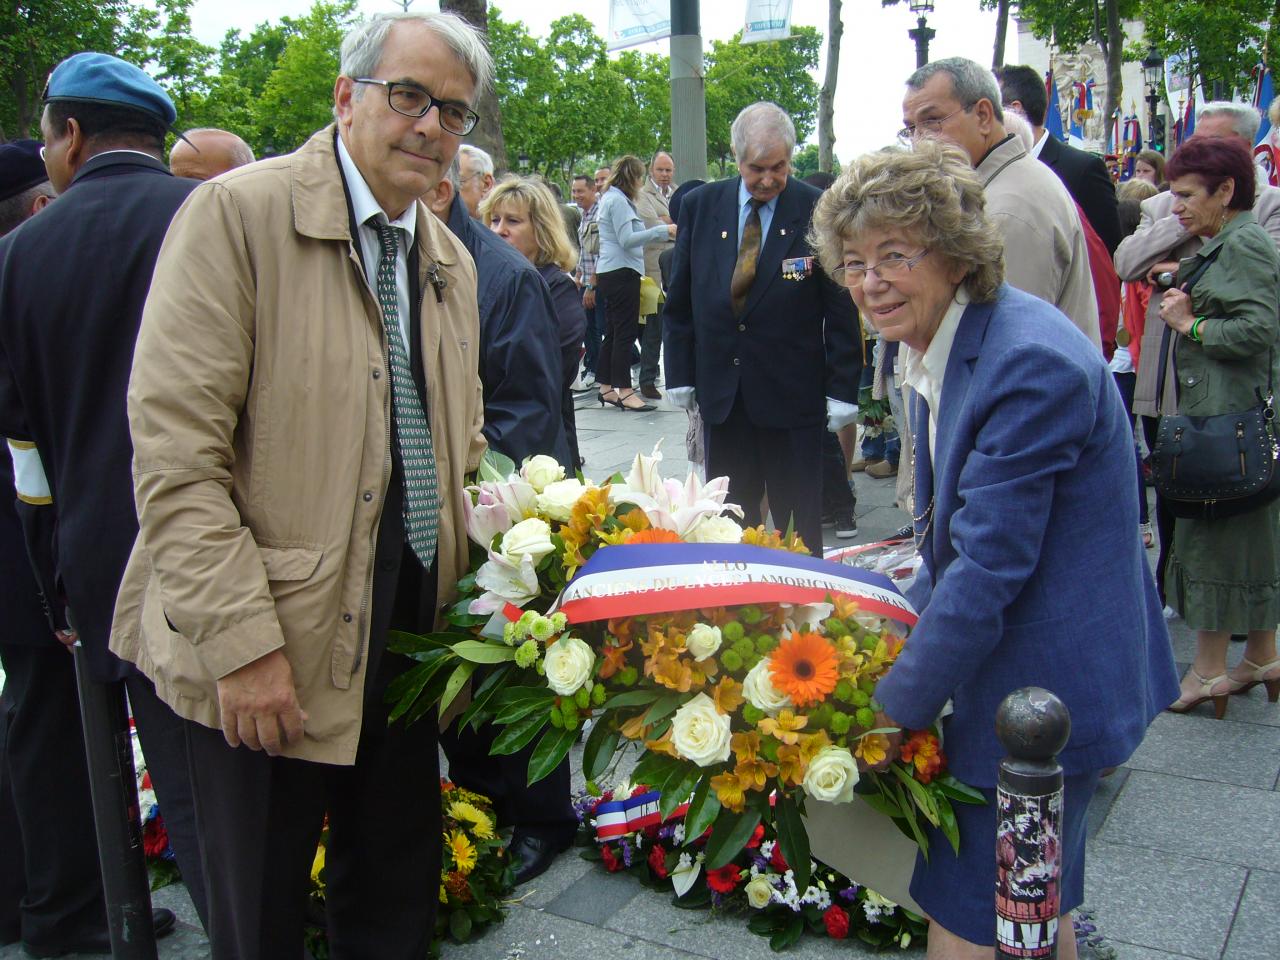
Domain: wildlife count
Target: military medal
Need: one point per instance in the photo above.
(797, 268)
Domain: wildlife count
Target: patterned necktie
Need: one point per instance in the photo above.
(412, 430)
(744, 270)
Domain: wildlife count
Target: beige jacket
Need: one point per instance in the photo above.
(259, 407)
(652, 206)
(1160, 237)
(1044, 246)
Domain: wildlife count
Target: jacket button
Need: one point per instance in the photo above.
(346, 618)
(367, 496)
(742, 327)
(736, 361)
(377, 374)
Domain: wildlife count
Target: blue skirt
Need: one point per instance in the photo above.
(959, 891)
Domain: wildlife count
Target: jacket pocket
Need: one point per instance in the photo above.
(289, 563)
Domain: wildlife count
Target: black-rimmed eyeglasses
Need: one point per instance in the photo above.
(411, 100)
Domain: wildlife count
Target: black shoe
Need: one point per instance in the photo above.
(846, 526)
(532, 855)
(162, 920)
(650, 391)
(904, 534)
(1239, 637)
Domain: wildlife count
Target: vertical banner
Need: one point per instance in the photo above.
(767, 20)
(632, 22)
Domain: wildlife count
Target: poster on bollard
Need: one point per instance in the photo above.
(767, 20)
(1028, 873)
(633, 22)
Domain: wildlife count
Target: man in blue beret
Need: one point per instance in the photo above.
(72, 284)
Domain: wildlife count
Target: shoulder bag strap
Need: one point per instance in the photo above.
(1166, 338)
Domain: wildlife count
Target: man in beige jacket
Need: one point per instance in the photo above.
(303, 407)
(1044, 245)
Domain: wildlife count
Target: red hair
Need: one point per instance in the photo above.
(1214, 160)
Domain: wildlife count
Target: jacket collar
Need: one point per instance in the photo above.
(115, 162)
(1231, 226)
(320, 198)
(1007, 151)
(969, 338)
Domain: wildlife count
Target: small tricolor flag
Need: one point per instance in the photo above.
(616, 818)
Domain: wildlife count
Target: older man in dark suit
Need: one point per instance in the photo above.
(756, 334)
(1085, 176)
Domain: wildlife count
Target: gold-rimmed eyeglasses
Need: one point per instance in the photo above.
(930, 128)
(893, 267)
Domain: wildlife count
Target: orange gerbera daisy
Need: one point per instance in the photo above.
(805, 667)
(654, 535)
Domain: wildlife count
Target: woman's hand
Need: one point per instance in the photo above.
(589, 298)
(1175, 310)
(1164, 266)
(671, 231)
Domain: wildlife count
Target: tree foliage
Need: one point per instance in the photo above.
(1224, 37)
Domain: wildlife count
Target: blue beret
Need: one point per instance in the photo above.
(20, 167)
(102, 78)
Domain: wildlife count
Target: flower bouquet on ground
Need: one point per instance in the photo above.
(475, 873)
(622, 829)
(162, 864)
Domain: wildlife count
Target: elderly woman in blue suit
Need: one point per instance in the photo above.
(1024, 512)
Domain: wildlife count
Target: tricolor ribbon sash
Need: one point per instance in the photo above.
(628, 581)
(616, 818)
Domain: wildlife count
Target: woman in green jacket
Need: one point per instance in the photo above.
(1224, 575)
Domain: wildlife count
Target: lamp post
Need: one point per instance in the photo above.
(522, 162)
(922, 33)
(1153, 73)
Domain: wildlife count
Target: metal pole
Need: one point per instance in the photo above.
(1033, 725)
(688, 93)
(922, 34)
(1153, 98)
(114, 791)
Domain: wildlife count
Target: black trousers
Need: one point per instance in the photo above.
(621, 291)
(50, 879)
(568, 374)
(784, 463)
(260, 818)
(837, 489)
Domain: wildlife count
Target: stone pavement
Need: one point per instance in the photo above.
(1184, 855)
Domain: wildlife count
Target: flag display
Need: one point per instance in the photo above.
(1053, 116)
(637, 21)
(767, 20)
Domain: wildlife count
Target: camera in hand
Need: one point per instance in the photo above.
(1165, 279)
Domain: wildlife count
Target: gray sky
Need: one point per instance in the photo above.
(875, 57)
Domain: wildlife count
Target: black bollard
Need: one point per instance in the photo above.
(1033, 725)
(114, 789)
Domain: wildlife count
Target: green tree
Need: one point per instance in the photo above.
(297, 99)
(182, 63)
(808, 159)
(740, 74)
(35, 35)
(1224, 37)
(647, 125)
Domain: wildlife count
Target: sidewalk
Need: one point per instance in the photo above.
(1184, 855)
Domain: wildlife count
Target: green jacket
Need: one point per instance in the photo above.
(1239, 299)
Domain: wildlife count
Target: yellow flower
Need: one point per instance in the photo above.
(872, 749)
(444, 895)
(477, 819)
(317, 865)
(785, 727)
(728, 695)
(463, 852)
(729, 790)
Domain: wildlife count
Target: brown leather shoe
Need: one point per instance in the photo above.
(650, 391)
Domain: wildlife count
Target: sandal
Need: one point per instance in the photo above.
(1148, 537)
(610, 397)
(1206, 694)
(640, 407)
(1258, 675)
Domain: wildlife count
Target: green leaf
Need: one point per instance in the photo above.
(524, 708)
(662, 708)
(510, 695)
(601, 745)
(912, 821)
(729, 835)
(408, 644)
(765, 923)
(460, 616)
(481, 651)
(881, 804)
(632, 698)
(407, 688)
(793, 837)
(789, 934)
(483, 695)
(923, 801)
(653, 769)
(456, 682)
(495, 466)
(513, 738)
(703, 810)
(955, 790)
(459, 926)
(551, 749)
(947, 823)
(677, 789)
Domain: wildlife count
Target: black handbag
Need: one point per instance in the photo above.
(1220, 466)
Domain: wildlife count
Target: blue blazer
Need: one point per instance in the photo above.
(796, 343)
(1033, 572)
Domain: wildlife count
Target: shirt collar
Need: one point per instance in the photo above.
(744, 195)
(931, 366)
(663, 192)
(363, 203)
(1039, 144)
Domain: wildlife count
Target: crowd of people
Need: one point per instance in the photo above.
(243, 400)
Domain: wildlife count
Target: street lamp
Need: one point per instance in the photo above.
(1153, 74)
(922, 33)
(523, 162)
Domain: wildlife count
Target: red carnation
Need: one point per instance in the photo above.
(756, 837)
(725, 879)
(837, 922)
(658, 861)
(612, 862)
(155, 838)
(777, 860)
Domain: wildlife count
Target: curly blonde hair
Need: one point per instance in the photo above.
(929, 191)
(527, 197)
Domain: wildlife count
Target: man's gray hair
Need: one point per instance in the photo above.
(1245, 119)
(970, 82)
(363, 45)
(481, 162)
(455, 171)
(760, 123)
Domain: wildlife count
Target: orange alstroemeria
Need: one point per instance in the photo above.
(785, 727)
(813, 744)
(662, 745)
(728, 695)
(635, 728)
(754, 774)
(614, 659)
(924, 753)
(745, 746)
(791, 765)
(872, 749)
(671, 671)
(729, 791)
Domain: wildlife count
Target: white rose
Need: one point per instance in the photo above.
(832, 775)
(700, 732)
(529, 538)
(759, 891)
(703, 641)
(541, 470)
(760, 692)
(557, 499)
(715, 530)
(569, 663)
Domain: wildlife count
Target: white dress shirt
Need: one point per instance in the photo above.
(923, 372)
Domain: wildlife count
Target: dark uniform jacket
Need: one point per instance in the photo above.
(72, 285)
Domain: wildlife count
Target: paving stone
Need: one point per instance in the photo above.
(1163, 901)
(1195, 818)
(1104, 798)
(595, 896)
(1130, 951)
(176, 898)
(1202, 748)
(567, 870)
(533, 935)
(1256, 932)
